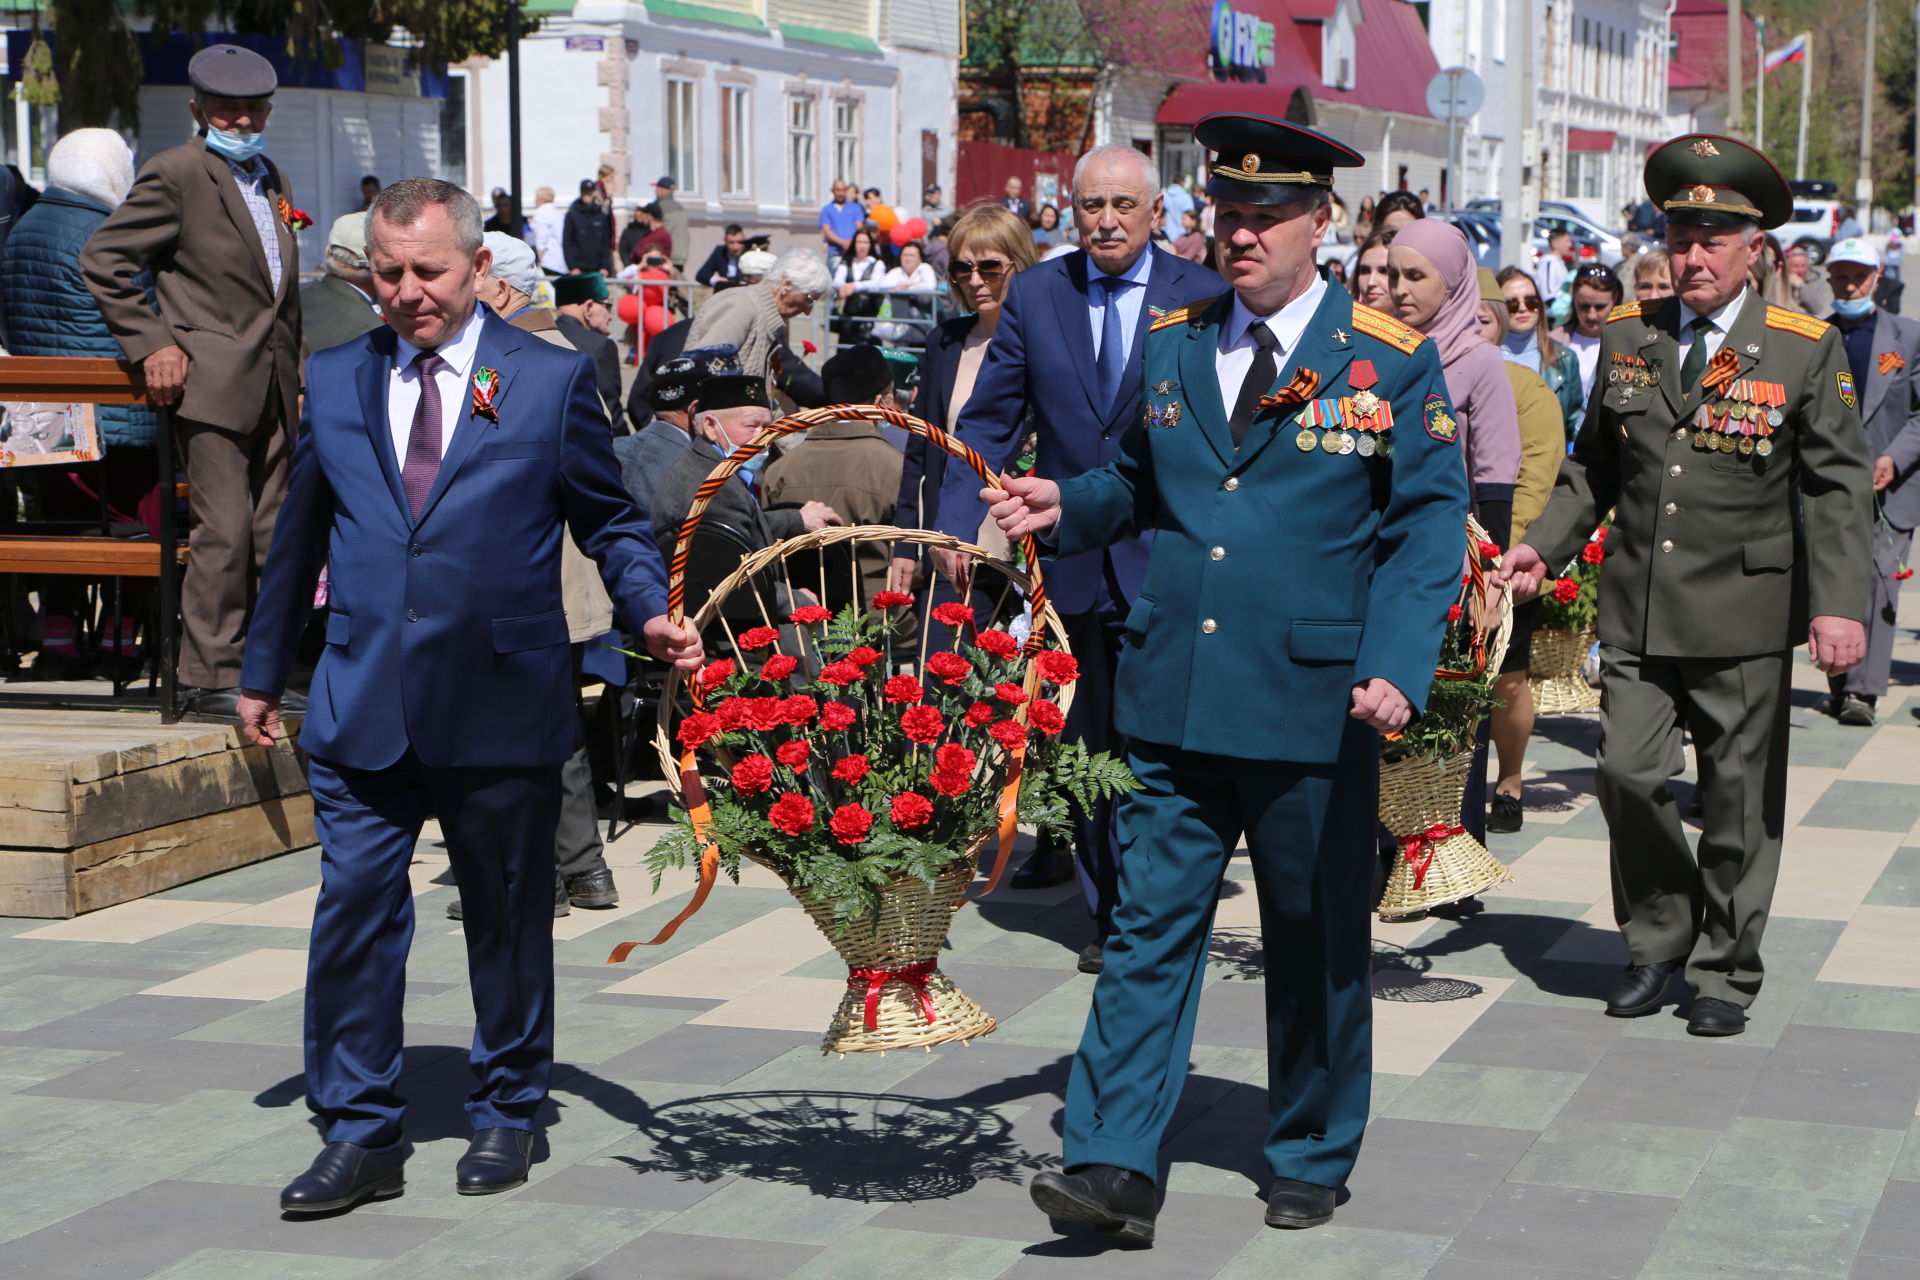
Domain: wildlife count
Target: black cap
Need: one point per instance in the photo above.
(857, 375)
(732, 391)
(1263, 159)
(1706, 180)
(588, 285)
(228, 71)
(673, 384)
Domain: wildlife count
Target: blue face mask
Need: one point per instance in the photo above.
(237, 147)
(1852, 308)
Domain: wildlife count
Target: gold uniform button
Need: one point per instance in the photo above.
(1672, 508)
(1209, 626)
(1667, 545)
(1676, 470)
(1218, 553)
(1233, 482)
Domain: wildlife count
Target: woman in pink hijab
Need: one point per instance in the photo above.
(1435, 287)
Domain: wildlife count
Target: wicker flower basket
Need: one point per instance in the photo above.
(1420, 804)
(1555, 676)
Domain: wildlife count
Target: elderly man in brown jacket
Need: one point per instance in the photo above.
(214, 221)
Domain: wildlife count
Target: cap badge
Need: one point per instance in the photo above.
(1249, 163)
(1701, 195)
(1703, 147)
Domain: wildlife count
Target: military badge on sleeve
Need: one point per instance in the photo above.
(1440, 421)
(1844, 380)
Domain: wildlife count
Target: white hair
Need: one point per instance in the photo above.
(801, 268)
(1122, 153)
(92, 162)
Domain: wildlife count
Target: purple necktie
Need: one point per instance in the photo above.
(422, 466)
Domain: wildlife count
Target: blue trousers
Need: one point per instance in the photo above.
(1309, 830)
(499, 826)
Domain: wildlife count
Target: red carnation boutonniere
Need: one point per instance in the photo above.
(296, 219)
(486, 386)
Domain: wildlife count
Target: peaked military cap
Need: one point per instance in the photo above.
(588, 285)
(228, 71)
(1263, 159)
(1706, 180)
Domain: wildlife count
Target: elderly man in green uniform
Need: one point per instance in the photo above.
(1725, 435)
(1296, 460)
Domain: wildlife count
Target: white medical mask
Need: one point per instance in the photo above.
(1852, 308)
(235, 146)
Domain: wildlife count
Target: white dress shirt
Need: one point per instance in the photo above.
(403, 385)
(1129, 301)
(1716, 337)
(1236, 351)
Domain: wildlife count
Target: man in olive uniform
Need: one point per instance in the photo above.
(1713, 418)
(1296, 460)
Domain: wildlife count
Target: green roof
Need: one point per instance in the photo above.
(703, 13)
(832, 39)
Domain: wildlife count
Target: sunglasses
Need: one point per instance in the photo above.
(989, 268)
(1516, 305)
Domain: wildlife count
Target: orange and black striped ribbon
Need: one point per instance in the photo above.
(1300, 390)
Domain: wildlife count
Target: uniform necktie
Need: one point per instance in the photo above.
(422, 465)
(1696, 362)
(1260, 376)
(1111, 360)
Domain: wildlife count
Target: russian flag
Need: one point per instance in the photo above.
(1795, 50)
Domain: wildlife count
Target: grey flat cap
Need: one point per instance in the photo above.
(228, 71)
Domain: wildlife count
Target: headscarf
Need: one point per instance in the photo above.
(1455, 328)
(92, 162)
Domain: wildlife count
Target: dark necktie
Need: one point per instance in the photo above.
(1260, 376)
(1111, 362)
(422, 465)
(1696, 362)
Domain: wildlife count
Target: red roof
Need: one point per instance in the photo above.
(1393, 61)
(1699, 58)
(1590, 139)
(1313, 10)
(1189, 103)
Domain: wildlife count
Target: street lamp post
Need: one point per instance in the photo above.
(513, 104)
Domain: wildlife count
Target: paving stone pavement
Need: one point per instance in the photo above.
(151, 1094)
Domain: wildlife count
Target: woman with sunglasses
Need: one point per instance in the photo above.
(1369, 282)
(1529, 345)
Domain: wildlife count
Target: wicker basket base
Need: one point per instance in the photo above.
(897, 952)
(1418, 796)
(1554, 673)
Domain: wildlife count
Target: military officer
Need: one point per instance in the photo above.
(1295, 458)
(1714, 417)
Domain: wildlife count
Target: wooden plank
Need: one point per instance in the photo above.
(87, 745)
(36, 882)
(87, 557)
(86, 379)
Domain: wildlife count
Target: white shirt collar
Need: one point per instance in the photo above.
(1287, 324)
(459, 352)
(1722, 319)
(1136, 274)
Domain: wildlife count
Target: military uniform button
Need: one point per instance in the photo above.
(1680, 433)
(1672, 508)
(1218, 553)
(1233, 482)
(1667, 545)
(1676, 470)
(1209, 626)
(412, 616)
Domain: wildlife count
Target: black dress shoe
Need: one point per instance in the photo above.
(1713, 1017)
(561, 904)
(1046, 867)
(293, 703)
(1117, 1201)
(1093, 957)
(496, 1160)
(1640, 989)
(1504, 815)
(344, 1174)
(593, 889)
(1297, 1204)
(1856, 710)
(215, 705)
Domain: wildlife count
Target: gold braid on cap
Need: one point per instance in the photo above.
(1707, 198)
(1248, 170)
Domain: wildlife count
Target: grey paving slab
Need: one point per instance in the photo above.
(669, 1255)
(1839, 1076)
(126, 1021)
(1899, 884)
(1865, 806)
(1758, 1229)
(1894, 1231)
(170, 1069)
(1598, 1155)
(1687, 1083)
(1601, 1233)
(702, 1055)
(1518, 1035)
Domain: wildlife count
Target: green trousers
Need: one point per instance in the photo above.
(1708, 907)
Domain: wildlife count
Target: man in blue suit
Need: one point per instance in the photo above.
(436, 463)
(1295, 455)
(1068, 347)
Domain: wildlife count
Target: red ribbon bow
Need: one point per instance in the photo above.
(914, 975)
(1421, 845)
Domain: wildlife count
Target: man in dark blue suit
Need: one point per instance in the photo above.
(1068, 347)
(436, 463)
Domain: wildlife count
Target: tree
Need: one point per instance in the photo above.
(1040, 55)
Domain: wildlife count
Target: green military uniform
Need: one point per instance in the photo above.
(1741, 496)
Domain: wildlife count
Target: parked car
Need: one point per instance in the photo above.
(1482, 228)
(1593, 242)
(1816, 217)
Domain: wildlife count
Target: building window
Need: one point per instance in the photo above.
(1585, 174)
(453, 130)
(846, 140)
(735, 129)
(803, 157)
(680, 135)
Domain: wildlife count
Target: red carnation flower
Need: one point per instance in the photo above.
(767, 715)
(863, 656)
(697, 728)
(1566, 590)
(796, 710)
(903, 689)
(1901, 575)
(792, 813)
(980, 713)
(840, 673)
(955, 758)
(735, 713)
(1008, 734)
(1011, 694)
(910, 811)
(850, 824)
(836, 716)
(753, 775)
(851, 768)
(1046, 717)
(1453, 613)
(1593, 553)
(1489, 550)
(1057, 667)
(950, 784)
(998, 643)
(791, 754)
(714, 674)
(950, 667)
(758, 638)
(1600, 534)
(807, 614)
(779, 666)
(922, 724)
(891, 599)
(953, 614)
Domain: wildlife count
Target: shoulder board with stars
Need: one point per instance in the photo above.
(1399, 336)
(1625, 311)
(1189, 314)
(1795, 322)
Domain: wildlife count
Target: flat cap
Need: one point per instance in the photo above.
(349, 231)
(228, 71)
(1262, 159)
(512, 261)
(732, 391)
(588, 285)
(1706, 180)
